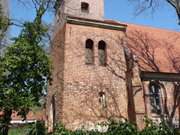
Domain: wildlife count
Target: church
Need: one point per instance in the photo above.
(105, 69)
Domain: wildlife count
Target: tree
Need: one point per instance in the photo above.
(4, 23)
(153, 4)
(24, 70)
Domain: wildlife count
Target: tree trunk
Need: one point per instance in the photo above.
(6, 121)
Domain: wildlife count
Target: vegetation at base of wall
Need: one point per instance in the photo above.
(123, 128)
(152, 128)
(115, 128)
(19, 130)
(37, 129)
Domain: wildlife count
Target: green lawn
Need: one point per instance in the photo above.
(19, 130)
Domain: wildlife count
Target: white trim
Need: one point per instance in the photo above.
(22, 122)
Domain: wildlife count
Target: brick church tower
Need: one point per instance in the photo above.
(88, 68)
(93, 9)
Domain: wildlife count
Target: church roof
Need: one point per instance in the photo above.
(157, 50)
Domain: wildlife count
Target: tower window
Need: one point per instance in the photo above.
(89, 54)
(155, 100)
(102, 53)
(85, 7)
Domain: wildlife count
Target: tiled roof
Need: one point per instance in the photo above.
(163, 45)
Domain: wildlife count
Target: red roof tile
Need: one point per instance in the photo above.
(164, 46)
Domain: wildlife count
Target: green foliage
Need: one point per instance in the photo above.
(37, 129)
(20, 129)
(60, 130)
(122, 128)
(24, 71)
(177, 132)
(24, 77)
(155, 129)
(115, 128)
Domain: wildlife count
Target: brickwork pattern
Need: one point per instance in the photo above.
(77, 85)
(73, 7)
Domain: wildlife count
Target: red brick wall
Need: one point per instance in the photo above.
(78, 92)
(76, 86)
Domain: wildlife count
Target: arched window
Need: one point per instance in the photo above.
(89, 53)
(102, 53)
(155, 99)
(85, 7)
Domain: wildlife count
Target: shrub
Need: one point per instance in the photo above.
(115, 128)
(152, 128)
(37, 129)
(123, 128)
(60, 130)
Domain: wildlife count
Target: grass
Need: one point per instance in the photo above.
(19, 130)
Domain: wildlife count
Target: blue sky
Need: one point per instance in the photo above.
(121, 10)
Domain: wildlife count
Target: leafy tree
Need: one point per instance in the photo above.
(24, 71)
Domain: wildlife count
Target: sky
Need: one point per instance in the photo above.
(121, 10)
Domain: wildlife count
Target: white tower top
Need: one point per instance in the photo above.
(91, 9)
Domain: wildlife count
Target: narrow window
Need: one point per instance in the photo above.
(84, 7)
(89, 52)
(102, 53)
(102, 99)
(155, 100)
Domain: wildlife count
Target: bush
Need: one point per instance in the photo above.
(119, 128)
(152, 128)
(123, 128)
(38, 129)
(60, 130)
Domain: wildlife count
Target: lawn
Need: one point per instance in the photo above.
(19, 130)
